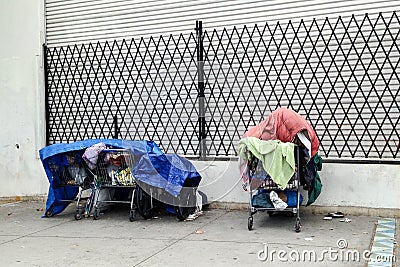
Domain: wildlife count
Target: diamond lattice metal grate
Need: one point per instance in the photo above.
(341, 74)
(128, 89)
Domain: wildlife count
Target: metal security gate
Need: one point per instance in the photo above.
(132, 89)
(342, 75)
(196, 96)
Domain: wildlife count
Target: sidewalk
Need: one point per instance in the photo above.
(217, 238)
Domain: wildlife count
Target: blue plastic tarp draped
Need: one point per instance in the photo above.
(167, 171)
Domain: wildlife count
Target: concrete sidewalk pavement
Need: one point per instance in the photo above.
(217, 238)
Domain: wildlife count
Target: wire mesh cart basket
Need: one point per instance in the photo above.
(114, 171)
(69, 171)
(264, 193)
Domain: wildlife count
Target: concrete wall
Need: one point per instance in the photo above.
(356, 185)
(21, 95)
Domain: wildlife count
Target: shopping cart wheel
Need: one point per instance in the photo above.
(183, 212)
(250, 223)
(49, 212)
(185, 204)
(297, 225)
(96, 214)
(132, 215)
(78, 216)
(143, 204)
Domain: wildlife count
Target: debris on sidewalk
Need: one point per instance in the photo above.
(337, 214)
(331, 215)
(194, 216)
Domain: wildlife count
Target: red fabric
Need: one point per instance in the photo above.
(284, 124)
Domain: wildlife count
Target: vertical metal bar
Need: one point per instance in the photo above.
(298, 180)
(249, 181)
(46, 94)
(201, 96)
(116, 130)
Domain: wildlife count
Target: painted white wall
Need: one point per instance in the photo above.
(357, 185)
(22, 97)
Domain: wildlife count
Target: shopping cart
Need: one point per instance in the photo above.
(261, 185)
(70, 171)
(150, 199)
(113, 172)
(166, 182)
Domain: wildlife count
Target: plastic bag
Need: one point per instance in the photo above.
(78, 173)
(276, 201)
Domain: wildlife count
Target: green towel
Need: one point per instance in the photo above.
(277, 157)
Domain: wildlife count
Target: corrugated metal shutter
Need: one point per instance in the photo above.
(83, 21)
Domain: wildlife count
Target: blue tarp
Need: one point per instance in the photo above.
(154, 168)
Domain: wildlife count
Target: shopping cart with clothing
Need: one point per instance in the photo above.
(287, 146)
(265, 194)
(113, 172)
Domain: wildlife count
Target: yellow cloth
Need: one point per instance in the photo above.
(277, 157)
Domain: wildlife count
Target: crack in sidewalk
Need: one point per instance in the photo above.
(35, 232)
(180, 239)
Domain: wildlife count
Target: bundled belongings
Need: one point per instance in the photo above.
(86, 153)
(171, 184)
(271, 170)
(112, 171)
(69, 176)
(117, 165)
(277, 157)
(288, 126)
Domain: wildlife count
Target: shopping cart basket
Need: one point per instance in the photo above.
(114, 171)
(69, 170)
(261, 185)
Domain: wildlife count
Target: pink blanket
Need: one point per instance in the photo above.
(284, 124)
